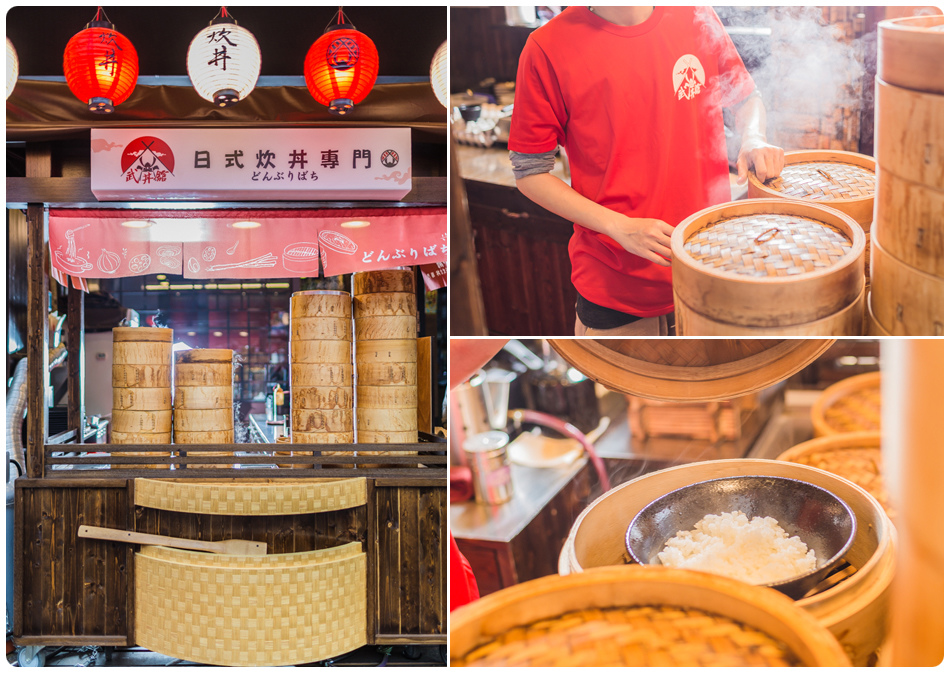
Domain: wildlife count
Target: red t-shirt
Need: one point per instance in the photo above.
(639, 111)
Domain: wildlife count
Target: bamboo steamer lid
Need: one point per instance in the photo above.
(160, 334)
(141, 438)
(846, 322)
(850, 405)
(387, 397)
(141, 376)
(875, 328)
(204, 397)
(387, 420)
(142, 421)
(205, 355)
(321, 420)
(320, 376)
(204, 374)
(638, 616)
(386, 373)
(203, 420)
(205, 437)
(321, 351)
(384, 303)
(141, 353)
(141, 399)
(308, 329)
(298, 437)
(855, 610)
(905, 301)
(689, 369)
(908, 222)
(842, 180)
(908, 138)
(386, 350)
(910, 52)
(388, 280)
(768, 262)
(320, 304)
(329, 397)
(386, 436)
(386, 327)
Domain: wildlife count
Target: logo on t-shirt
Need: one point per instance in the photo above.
(688, 77)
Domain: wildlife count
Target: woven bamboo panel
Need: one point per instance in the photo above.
(851, 405)
(768, 245)
(250, 498)
(825, 181)
(250, 615)
(300, 558)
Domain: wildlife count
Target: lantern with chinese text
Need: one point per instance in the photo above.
(224, 61)
(13, 67)
(101, 66)
(439, 74)
(341, 67)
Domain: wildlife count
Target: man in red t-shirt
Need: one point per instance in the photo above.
(635, 96)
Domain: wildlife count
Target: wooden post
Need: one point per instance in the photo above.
(38, 165)
(465, 290)
(75, 362)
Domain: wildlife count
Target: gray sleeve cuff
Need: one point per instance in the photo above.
(524, 165)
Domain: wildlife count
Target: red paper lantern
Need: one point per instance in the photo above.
(101, 66)
(341, 68)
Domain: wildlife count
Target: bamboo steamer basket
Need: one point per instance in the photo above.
(323, 351)
(768, 262)
(141, 353)
(137, 334)
(387, 397)
(384, 303)
(875, 328)
(205, 356)
(386, 373)
(387, 437)
(638, 617)
(908, 138)
(910, 52)
(204, 374)
(321, 420)
(141, 399)
(905, 301)
(855, 456)
(315, 329)
(386, 350)
(847, 321)
(848, 183)
(142, 376)
(321, 438)
(203, 420)
(689, 369)
(206, 437)
(142, 438)
(387, 420)
(388, 280)
(204, 397)
(159, 421)
(320, 376)
(385, 327)
(320, 304)
(851, 405)
(323, 398)
(855, 610)
(908, 222)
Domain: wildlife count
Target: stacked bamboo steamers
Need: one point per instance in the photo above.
(203, 398)
(907, 234)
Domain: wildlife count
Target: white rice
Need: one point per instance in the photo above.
(757, 551)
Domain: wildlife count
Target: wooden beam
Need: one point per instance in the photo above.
(74, 641)
(75, 362)
(424, 383)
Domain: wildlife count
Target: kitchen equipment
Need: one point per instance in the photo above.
(204, 412)
(818, 518)
(909, 222)
(470, 113)
(850, 405)
(235, 547)
(910, 52)
(905, 300)
(491, 473)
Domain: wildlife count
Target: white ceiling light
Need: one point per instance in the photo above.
(355, 224)
(137, 224)
(439, 74)
(224, 61)
(246, 225)
(13, 67)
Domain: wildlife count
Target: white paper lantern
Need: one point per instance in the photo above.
(13, 67)
(439, 74)
(224, 62)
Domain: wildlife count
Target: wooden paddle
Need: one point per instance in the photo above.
(237, 547)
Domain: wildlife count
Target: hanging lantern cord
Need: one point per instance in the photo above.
(101, 15)
(341, 19)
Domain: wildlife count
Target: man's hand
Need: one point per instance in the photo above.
(645, 237)
(757, 155)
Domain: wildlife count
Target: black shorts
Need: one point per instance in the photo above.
(596, 316)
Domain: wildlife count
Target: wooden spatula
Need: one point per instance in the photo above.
(237, 547)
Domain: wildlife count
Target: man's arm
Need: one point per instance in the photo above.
(755, 153)
(645, 237)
